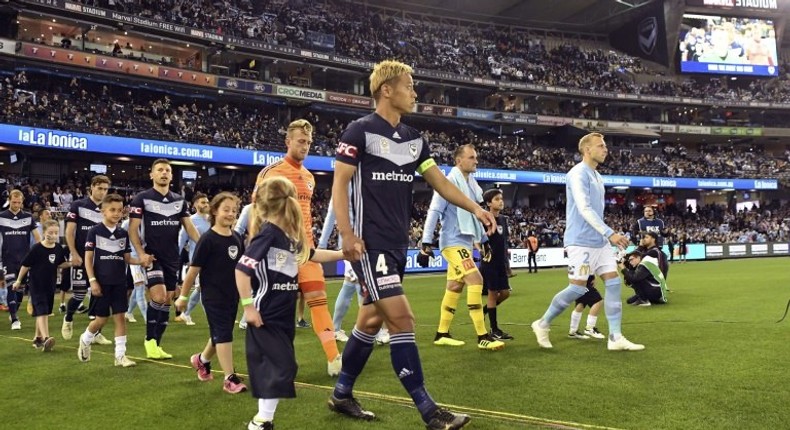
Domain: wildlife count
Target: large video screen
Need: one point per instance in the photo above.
(728, 45)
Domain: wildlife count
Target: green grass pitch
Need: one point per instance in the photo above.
(715, 358)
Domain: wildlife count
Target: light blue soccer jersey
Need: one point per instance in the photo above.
(450, 233)
(202, 226)
(584, 209)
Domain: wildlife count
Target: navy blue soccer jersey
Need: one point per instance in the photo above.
(109, 248)
(386, 159)
(86, 214)
(271, 265)
(655, 225)
(43, 263)
(499, 242)
(161, 221)
(16, 231)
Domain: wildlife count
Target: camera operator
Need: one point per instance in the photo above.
(642, 273)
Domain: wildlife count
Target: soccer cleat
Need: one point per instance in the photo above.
(383, 337)
(442, 419)
(542, 334)
(163, 355)
(38, 343)
(16, 325)
(187, 319)
(67, 330)
(129, 318)
(334, 366)
(444, 339)
(349, 407)
(99, 339)
(594, 333)
(48, 344)
(341, 336)
(303, 324)
(84, 351)
(577, 335)
(632, 300)
(152, 350)
(124, 362)
(488, 343)
(179, 318)
(233, 385)
(243, 326)
(501, 335)
(62, 308)
(203, 369)
(260, 425)
(644, 303)
(623, 344)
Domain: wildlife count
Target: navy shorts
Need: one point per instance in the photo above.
(591, 297)
(112, 301)
(42, 298)
(380, 274)
(221, 317)
(494, 279)
(162, 273)
(271, 361)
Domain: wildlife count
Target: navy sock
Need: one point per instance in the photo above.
(13, 303)
(355, 356)
(74, 303)
(492, 318)
(164, 317)
(152, 316)
(407, 365)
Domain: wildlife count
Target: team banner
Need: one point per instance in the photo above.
(645, 36)
(57, 139)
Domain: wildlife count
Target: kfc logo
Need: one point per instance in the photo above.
(248, 262)
(136, 210)
(347, 150)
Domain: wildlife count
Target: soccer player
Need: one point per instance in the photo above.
(201, 221)
(378, 156)
(43, 262)
(82, 216)
(298, 139)
(495, 270)
(460, 231)
(161, 212)
(269, 270)
(214, 260)
(648, 223)
(107, 252)
(586, 241)
(593, 299)
(16, 229)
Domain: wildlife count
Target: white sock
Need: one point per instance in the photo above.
(120, 346)
(576, 317)
(266, 408)
(203, 360)
(592, 320)
(87, 337)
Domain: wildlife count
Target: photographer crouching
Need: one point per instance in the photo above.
(642, 273)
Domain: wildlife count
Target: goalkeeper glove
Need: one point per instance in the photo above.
(485, 252)
(425, 255)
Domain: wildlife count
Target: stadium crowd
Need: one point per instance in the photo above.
(477, 51)
(708, 224)
(93, 107)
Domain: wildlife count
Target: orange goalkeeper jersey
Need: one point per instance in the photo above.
(304, 182)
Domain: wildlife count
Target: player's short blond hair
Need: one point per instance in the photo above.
(587, 140)
(16, 193)
(384, 72)
(300, 124)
